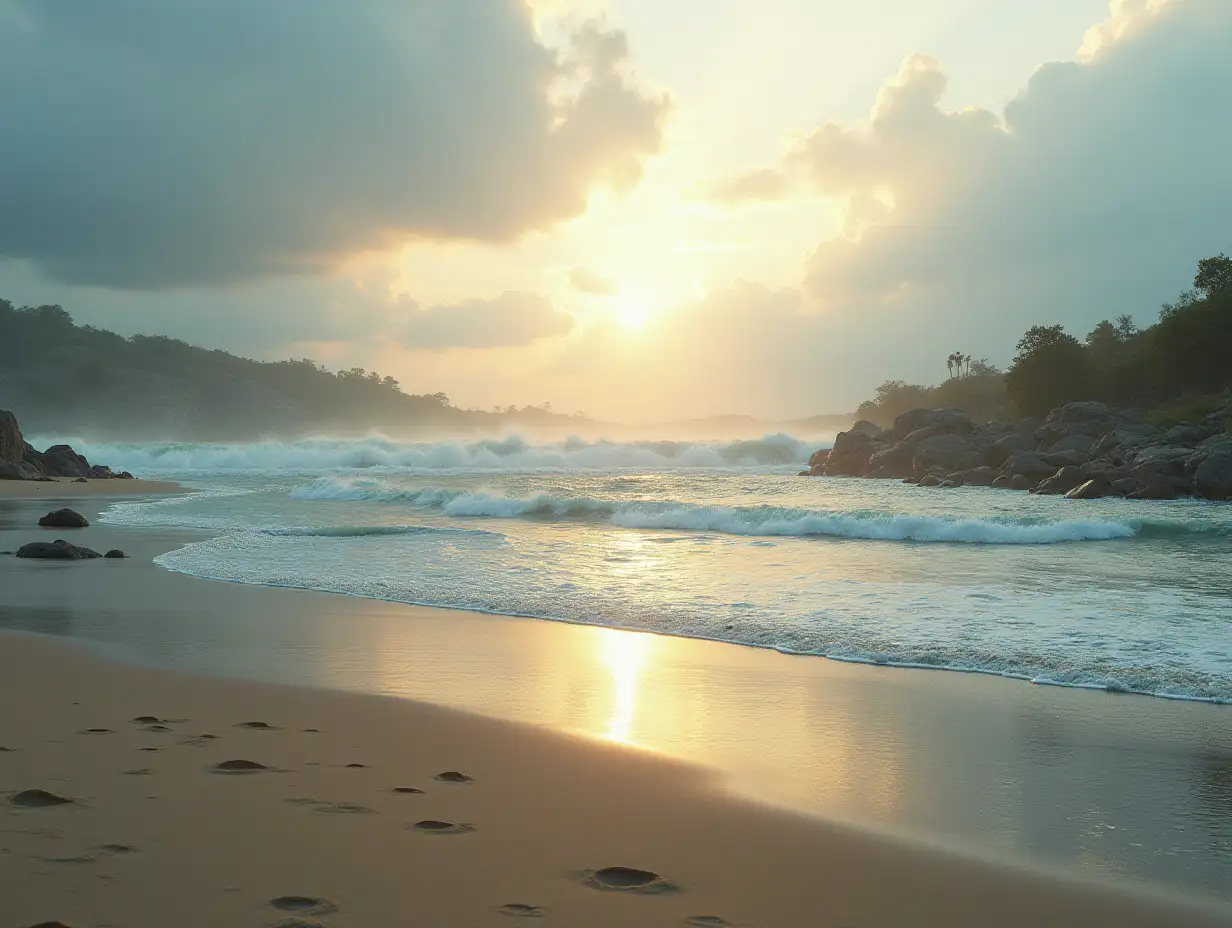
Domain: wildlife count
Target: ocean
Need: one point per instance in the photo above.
(718, 540)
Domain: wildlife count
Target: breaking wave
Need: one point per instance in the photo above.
(513, 453)
(728, 520)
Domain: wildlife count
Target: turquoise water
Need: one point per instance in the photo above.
(721, 541)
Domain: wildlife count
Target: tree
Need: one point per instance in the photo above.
(1214, 275)
(1126, 327)
(1050, 369)
(1104, 340)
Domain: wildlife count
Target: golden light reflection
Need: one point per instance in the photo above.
(632, 315)
(624, 654)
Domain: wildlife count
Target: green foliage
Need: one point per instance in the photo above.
(979, 392)
(1186, 409)
(1050, 370)
(1214, 275)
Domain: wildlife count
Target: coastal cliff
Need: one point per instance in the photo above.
(20, 461)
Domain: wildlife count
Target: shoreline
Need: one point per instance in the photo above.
(543, 808)
(69, 489)
(476, 662)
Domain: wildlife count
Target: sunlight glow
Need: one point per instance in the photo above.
(632, 315)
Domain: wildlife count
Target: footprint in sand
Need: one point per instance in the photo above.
(4, 750)
(239, 766)
(627, 879)
(38, 799)
(312, 731)
(707, 921)
(519, 910)
(431, 826)
(407, 790)
(95, 731)
(117, 849)
(148, 750)
(454, 776)
(54, 923)
(303, 905)
(257, 726)
(146, 720)
(356, 766)
(76, 859)
(156, 728)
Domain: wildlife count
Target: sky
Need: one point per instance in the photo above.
(640, 209)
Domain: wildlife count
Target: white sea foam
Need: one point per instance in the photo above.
(729, 520)
(513, 453)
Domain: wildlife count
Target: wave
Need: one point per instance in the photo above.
(729, 520)
(513, 453)
(364, 531)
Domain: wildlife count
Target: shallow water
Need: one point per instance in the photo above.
(722, 541)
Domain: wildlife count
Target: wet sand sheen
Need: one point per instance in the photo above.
(548, 825)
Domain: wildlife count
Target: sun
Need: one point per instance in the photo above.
(632, 315)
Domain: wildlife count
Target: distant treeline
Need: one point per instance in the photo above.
(1178, 369)
(75, 379)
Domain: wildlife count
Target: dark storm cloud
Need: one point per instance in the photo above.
(165, 143)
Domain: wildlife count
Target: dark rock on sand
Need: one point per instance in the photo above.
(58, 550)
(303, 905)
(238, 766)
(406, 790)
(454, 776)
(1212, 476)
(115, 554)
(433, 826)
(1064, 480)
(519, 910)
(64, 518)
(38, 799)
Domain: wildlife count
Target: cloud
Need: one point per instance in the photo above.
(513, 319)
(584, 280)
(1093, 194)
(205, 142)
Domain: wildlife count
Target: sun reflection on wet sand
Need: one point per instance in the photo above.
(624, 654)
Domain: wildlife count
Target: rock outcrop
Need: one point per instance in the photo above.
(64, 518)
(1082, 450)
(20, 461)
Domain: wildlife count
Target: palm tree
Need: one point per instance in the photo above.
(950, 363)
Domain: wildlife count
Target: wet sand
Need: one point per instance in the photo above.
(68, 489)
(198, 802)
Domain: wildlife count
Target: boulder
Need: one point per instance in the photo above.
(952, 451)
(1067, 458)
(805, 473)
(58, 550)
(1212, 477)
(852, 449)
(115, 554)
(1154, 491)
(64, 518)
(10, 470)
(1006, 447)
(1003, 482)
(1064, 480)
(1187, 433)
(819, 458)
(1076, 443)
(63, 461)
(1092, 489)
(1029, 464)
(943, 421)
(1124, 487)
(977, 477)
(12, 445)
(1021, 482)
(930, 480)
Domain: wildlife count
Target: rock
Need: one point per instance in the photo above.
(941, 421)
(1124, 487)
(1006, 447)
(115, 554)
(1021, 482)
(954, 452)
(1213, 476)
(1003, 482)
(1066, 458)
(1029, 464)
(80, 480)
(64, 518)
(11, 470)
(1161, 491)
(1187, 433)
(819, 458)
(805, 473)
(852, 449)
(930, 480)
(977, 477)
(12, 445)
(63, 461)
(1076, 443)
(1092, 489)
(1060, 483)
(58, 550)
(124, 475)
(949, 484)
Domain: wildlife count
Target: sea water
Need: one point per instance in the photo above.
(719, 540)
